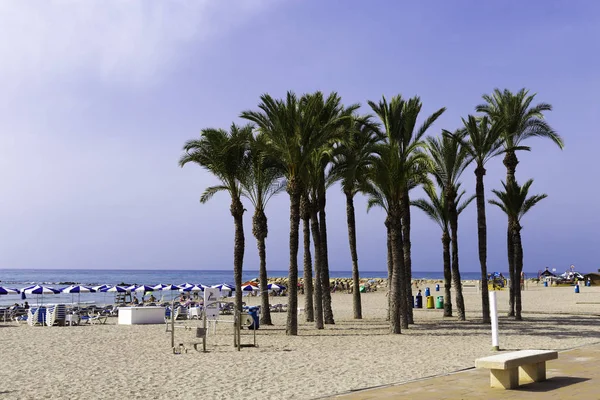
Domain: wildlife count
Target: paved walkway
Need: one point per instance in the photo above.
(576, 374)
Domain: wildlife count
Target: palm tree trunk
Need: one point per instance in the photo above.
(482, 240)
(390, 265)
(460, 302)
(407, 258)
(327, 310)
(398, 314)
(260, 231)
(518, 269)
(511, 161)
(316, 233)
(356, 306)
(237, 211)
(510, 244)
(309, 311)
(447, 274)
(294, 191)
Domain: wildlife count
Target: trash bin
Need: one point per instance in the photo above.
(439, 302)
(253, 311)
(546, 284)
(437, 287)
(419, 302)
(430, 302)
(576, 288)
(427, 292)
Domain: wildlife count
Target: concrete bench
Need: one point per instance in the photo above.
(508, 370)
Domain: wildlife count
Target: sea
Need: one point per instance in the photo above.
(60, 278)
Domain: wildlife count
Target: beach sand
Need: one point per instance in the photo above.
(113, 361)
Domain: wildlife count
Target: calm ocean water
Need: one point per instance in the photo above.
(59, 278)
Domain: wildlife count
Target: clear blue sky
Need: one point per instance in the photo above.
(97, 98)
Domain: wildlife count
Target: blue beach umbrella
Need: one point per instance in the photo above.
(100, 288)
(77, 289)
(249, 288)
(195, 288)
(170, 287)
(4, 290)
(39, 290)
(143, 288)
(115, 289)
(275, 287)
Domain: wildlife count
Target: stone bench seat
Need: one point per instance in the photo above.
(508, 370)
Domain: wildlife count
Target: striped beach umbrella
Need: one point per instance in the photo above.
(223, 287)
(99, 288)
(249, 288)
(4, 290)
(115, 289)
(39, 290)
(168, 287)
(77, 289)
(195, 288)
(143, 289)
(275, 287)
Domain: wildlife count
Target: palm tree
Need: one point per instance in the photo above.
(261, 182)
(449, 159)
(294, 129)
(386, 181)
(483, 141)
(308, 275)
(435, 208)
(515, 203)
(224, 154)
(351, 163)
(520, 121)
(399, 118)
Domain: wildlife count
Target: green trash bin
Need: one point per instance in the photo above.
(439, 302)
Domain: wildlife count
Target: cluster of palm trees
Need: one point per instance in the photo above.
(305, 144)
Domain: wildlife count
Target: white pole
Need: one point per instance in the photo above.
(494, 317)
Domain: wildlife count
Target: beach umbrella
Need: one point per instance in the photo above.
(4, 290)
(249, 288)
(143, 289)
(131, 288)
(224, 287)
(275, 287)
(160, 286)
(40, 290)
(100, 288)
(169, 287)
(115, 289)
(195, 288)
(77, 289)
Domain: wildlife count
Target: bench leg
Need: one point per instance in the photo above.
(504, 379)
(532, 372)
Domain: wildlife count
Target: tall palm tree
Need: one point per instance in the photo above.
(521, 121)
(261, 182)
(351, 163)
(399, 118)
(514, 201)
(483, 141)
(449, 160)
(224, 154)
(295, 128)
(435, 208)
(386, 181)
(308, 274)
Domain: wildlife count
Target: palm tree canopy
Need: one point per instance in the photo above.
(521, 119)
(263, 178)
(514, 201)
(399, 119)
(449, 158)
(352, 158)
(295, 128)
(222, 153)
(481, 138)
(435, 206)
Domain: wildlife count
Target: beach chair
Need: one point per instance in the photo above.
(33, 316)
(98, 319)
(50, 315)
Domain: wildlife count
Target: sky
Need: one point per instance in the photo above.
(98, 97)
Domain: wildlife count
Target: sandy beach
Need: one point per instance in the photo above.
(116, 361)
